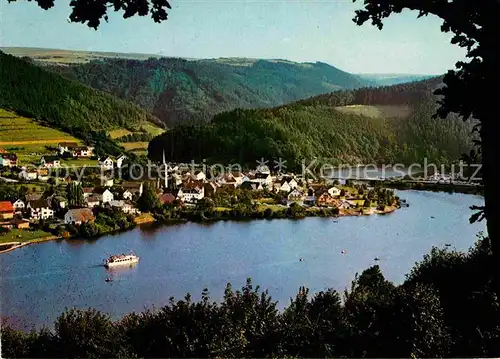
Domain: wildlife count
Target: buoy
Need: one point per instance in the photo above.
(301, 259)
(343, 251)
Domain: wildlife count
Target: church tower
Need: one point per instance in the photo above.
(166, 170)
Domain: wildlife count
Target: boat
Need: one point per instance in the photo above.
(108, 279)
(448, 244)
(120, 260)
(376, 259)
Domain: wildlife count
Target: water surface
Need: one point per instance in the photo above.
(39, 281)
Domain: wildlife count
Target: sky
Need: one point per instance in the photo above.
(304, 31)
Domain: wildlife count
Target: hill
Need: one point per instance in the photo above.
(54, 101)
(370, 125)
(176, 90)
(393, 79)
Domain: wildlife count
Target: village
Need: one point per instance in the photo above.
(103, 199)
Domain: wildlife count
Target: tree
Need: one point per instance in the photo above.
(467, 89)
(75, 195)
(91, 13)
(148, 199)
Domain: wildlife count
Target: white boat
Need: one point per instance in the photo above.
(120, 260)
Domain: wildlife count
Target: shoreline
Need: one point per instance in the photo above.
(151, 220)
(27, 243)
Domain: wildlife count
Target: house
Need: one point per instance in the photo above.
(176, 179)
(40, 209)
(6, 210)
(93, 201)
(87, 192)
(250, 176)
(79, 216)
(116, 204)
(310, 200)
(210, 188)
(8, 159)
(106, 163)
(20, 223)
(66, 147)
(82, 151)
(198, 176)
(19, 205)
(191, 192)
(107, 181)
(133, 187)
(252, 185)
(43, 174)
(166, 198)
(263, 169)
(119, 160)
(128, 208)
(264, 178)
(124, 206)
(56, 202)
(346, 205)
(50, 161)
(238, 177)
(228, 179)
(107, 196)
(282, 186)
(28, 174)
(127, 195)
(326, 199)
(334, 192)
(295, 196)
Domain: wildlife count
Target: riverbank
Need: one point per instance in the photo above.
(226, 214)
(16, 245)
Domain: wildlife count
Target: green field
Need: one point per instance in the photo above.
(18, 130)
(22, 235)
(29, 139)
(378, 111)
(70, 57)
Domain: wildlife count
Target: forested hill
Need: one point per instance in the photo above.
(176, 90)
(63, 103)
(370, 125)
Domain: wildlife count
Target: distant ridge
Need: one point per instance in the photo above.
(384, 125)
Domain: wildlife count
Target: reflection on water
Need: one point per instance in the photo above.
(39, 281)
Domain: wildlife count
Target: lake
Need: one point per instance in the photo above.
(39, 281)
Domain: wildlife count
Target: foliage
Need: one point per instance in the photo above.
(175, 90)
(12, 193)
(148, 199)
(57, 102)
(445, 308)
(92, 14)
(317, 129)
(74, 194)
(474, 25)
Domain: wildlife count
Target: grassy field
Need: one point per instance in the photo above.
(28, 139)
(22, 235)
(152, 129)
(16, 130)
(120, 132)
(379, 111)
(133, 146)
(147, 127)
(69, 56)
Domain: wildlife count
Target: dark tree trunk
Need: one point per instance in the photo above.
(490, 141)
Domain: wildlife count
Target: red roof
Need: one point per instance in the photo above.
(6, 207)
(167, 198)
